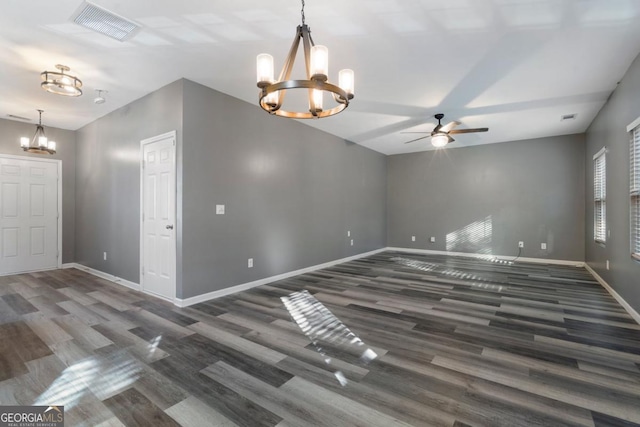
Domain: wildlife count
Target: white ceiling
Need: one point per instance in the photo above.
(514, 66)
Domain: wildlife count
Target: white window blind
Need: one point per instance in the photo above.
(600, 197)
(635, 192)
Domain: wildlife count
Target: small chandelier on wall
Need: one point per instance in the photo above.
(60, 83)
(39, 144)
(316, 58)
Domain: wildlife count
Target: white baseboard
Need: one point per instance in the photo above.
(614, 294)
(103, 275)
(486, 256)
(243, 287)
(13, 273)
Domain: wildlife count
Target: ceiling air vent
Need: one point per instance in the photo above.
(104, 22)
(568, 117)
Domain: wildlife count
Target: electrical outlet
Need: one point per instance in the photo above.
(250, 263)
(413, 238)
(607, 264)
(432, 239)
(351, 242)
(219, 209)
(104, 256)
(543, 246)
(348, 233)
(521, 244)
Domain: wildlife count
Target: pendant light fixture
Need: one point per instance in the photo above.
(39, 143)
(316, 58)
(60, 83)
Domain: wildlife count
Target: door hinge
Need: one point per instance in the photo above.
(174, 142)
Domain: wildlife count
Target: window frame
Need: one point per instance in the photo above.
(634, 189)
(600, 197)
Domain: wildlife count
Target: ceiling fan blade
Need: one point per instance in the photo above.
(450, 139)
(418, 139)
(469, 130)
(449, 126)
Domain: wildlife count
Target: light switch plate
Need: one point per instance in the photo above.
(413, 238)
(432, 239)
(219, 209)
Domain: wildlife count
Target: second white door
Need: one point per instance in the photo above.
(158, 238)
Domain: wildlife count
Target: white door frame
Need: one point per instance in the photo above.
(171, 134)
(59, 231)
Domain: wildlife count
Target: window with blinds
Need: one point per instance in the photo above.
(635, 192)
(600, 197)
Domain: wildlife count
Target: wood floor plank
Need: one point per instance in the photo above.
(134, 409)
(83, 335)
(237, 343)
(232, 405)
(193, 412)
(18, 303)
(285, 405)
(85, 314)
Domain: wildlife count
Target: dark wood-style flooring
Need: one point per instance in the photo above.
(460, 342)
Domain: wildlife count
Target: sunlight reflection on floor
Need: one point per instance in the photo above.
(325, 330)
(103, 376)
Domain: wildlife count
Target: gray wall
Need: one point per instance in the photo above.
(10, 133)
(485, 199)
(609, 130)
(291, 194)
(108, 180)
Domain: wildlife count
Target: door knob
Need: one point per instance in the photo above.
(169, 227)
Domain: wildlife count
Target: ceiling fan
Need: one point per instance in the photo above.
(441, 135)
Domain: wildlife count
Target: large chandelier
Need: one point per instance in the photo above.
(39, 143)
(316, 59)
(60, 83)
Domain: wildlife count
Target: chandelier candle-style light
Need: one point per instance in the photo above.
(316, 59)
(39, 143)
(60, 83)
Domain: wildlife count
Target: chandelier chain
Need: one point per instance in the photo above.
(302, 12)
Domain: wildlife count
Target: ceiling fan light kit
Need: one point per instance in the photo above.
(316, 58)
(439, 140)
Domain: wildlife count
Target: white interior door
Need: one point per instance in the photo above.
(158, 238)
(28, 214)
